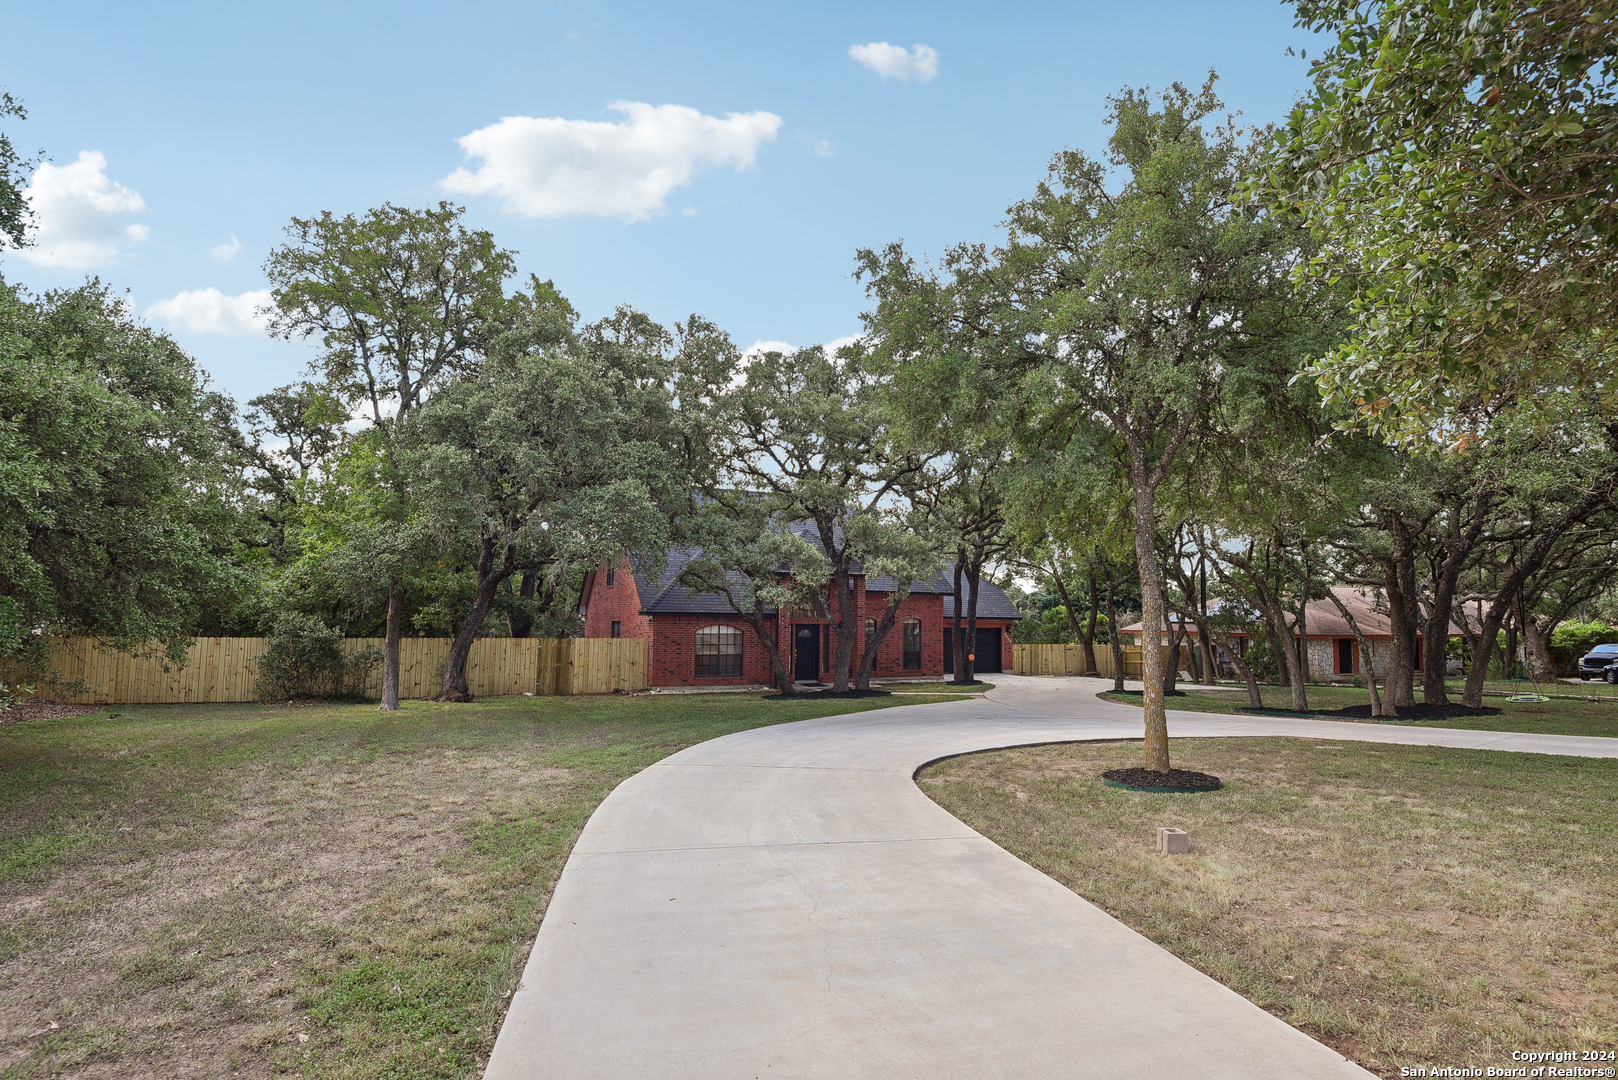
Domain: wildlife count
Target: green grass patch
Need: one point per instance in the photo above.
(1558, 716)
(1407, 905)
(326, 890)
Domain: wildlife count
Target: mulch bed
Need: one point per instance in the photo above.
(1151, 778)
(1412, 712)
(829, 694)
(34, 709)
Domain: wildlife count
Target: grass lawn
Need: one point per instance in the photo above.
(1558, 716)
(328, 891)
(1406, 905)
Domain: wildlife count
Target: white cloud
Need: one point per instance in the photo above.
(209, 311)
(760, 347)
(73, 210)
(226, 252)
(544, 166)
(897, 62)
(823, 148)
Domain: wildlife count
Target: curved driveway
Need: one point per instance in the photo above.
(785, 902)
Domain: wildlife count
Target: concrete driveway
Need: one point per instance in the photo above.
(785, 902)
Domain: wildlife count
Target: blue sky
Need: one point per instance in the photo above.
(173, 128)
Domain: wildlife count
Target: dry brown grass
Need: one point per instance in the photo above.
(1406, 905)
(254, 891)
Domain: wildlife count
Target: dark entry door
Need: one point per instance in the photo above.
(1345, 656)
(807, 666)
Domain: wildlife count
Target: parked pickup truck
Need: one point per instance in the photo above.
(1595, 663)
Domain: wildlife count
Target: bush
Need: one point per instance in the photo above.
(1574, 639)
(305, 659)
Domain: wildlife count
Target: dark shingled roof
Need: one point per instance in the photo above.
(663, 596)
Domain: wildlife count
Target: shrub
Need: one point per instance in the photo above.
(1574, 639)
(305, 659)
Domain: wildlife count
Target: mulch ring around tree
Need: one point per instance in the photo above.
(1175, 780)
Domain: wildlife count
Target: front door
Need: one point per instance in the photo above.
(1345, 656)
(807, 667)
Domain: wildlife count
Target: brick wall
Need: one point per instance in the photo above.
(619, 601)
(674, 659)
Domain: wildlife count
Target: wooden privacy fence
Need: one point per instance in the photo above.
(226, 669)
(1069, 660)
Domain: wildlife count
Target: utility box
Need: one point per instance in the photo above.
(1173, 841)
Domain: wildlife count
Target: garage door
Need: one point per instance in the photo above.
(987, 651)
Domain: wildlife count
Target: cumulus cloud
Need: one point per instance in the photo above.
(896, 62)
(762, 346)
(73, 209)
(209, 311)
(545, 166)
(226, 252)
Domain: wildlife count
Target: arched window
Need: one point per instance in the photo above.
(719, 650)
(912, 639)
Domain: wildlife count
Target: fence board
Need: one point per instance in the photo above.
(226, 669)
(1069, 660)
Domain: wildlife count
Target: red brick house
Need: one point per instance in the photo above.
(697, 640)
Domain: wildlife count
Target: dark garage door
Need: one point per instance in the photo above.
(987, 652)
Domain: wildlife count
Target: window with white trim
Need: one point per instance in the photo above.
(912, 639)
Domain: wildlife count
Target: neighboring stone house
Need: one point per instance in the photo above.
(696, 639)
(1334, 653)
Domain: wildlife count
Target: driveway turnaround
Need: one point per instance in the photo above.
(785, 902)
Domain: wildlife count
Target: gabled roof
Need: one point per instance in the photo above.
(664, 596)
(993, 603)
(1322, 619)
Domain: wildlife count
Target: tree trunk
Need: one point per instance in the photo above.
(1151, 618)
(1171, 666)
(1541, 667)
(1368, 662)
(1458, 544)
(1303, 619)
(390, 649)
(1406, 697)
(1268, 604)
(1210, 669)
(1254, 697)
(1400, 676)
(520, 622)
(489, 578)
(1114, 637)
(958, 652)
(1508, 662)
(974, 575)
(873, 641)
(844, 630)
(756, 619)
(1532, 559)
(1085, 639)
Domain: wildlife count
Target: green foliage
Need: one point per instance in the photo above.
(1052, 626)
(1577, 638)
(400, 300)
(117, 466)
(1459, 160)
(11, 693)
(304, 658)
(15, 215)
